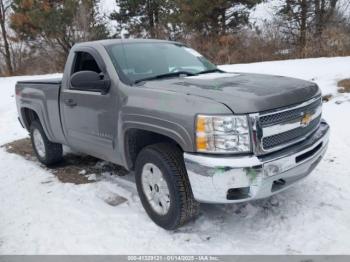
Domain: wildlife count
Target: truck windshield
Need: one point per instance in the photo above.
(146, 61)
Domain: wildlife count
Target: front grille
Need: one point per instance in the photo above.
(287, 137)
(273, 119)
(279, 129)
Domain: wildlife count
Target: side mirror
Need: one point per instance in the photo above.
(90, 81)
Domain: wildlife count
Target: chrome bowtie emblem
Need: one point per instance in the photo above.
(306, 119)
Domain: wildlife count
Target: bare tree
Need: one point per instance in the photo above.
(305, 21)
(5, 47)
(324, 12)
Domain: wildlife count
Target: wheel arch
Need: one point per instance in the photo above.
(29, 115)
(135, 139)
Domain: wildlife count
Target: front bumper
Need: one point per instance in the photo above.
(218, 179)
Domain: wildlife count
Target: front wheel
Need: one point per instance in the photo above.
(163, 186)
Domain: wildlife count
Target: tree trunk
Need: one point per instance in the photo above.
(156, 20)
(7, 52)
(150, 15)
(324, 10)
(223, 21)
(303, 27)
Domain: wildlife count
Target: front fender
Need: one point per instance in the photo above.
(163, 127)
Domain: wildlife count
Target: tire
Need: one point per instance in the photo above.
(180, 205)
(47, 152)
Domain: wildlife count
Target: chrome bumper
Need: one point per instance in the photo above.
(218, 179)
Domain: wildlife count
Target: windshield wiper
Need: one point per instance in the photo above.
(210, 71)
(174, 74)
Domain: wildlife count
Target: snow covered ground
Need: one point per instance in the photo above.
(40, 215)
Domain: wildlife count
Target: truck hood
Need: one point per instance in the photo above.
(242, 92)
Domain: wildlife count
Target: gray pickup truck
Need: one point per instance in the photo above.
(189, 131)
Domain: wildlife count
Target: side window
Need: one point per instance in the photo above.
(85, 62)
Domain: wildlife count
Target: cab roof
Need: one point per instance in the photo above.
(108, 42)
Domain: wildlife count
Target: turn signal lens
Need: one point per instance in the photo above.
(201, 143)
(201, 121)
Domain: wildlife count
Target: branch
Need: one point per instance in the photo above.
(6, 4)
(2, 52)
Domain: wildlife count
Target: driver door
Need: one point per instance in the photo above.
(88, 116)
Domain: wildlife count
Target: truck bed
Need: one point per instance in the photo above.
(43, 97)
(49, 81)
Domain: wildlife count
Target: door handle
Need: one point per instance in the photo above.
(70, 102)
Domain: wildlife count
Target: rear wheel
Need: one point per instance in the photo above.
(163, 186)
(47, 152)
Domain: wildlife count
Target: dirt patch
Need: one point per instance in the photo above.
(344, 86)
(22, 147)
(77, 169)
(327, 98)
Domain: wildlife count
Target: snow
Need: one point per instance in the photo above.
(266, 11)
(106, 8)
(40, 215)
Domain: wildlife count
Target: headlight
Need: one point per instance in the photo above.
(222, 134)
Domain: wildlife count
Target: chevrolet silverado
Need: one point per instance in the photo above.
(189, 131)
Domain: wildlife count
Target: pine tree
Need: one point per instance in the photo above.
(215, 17)
(166, 18)
(59, 23)
(144, 18)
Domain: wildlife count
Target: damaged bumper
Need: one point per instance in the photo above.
(218, 179)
